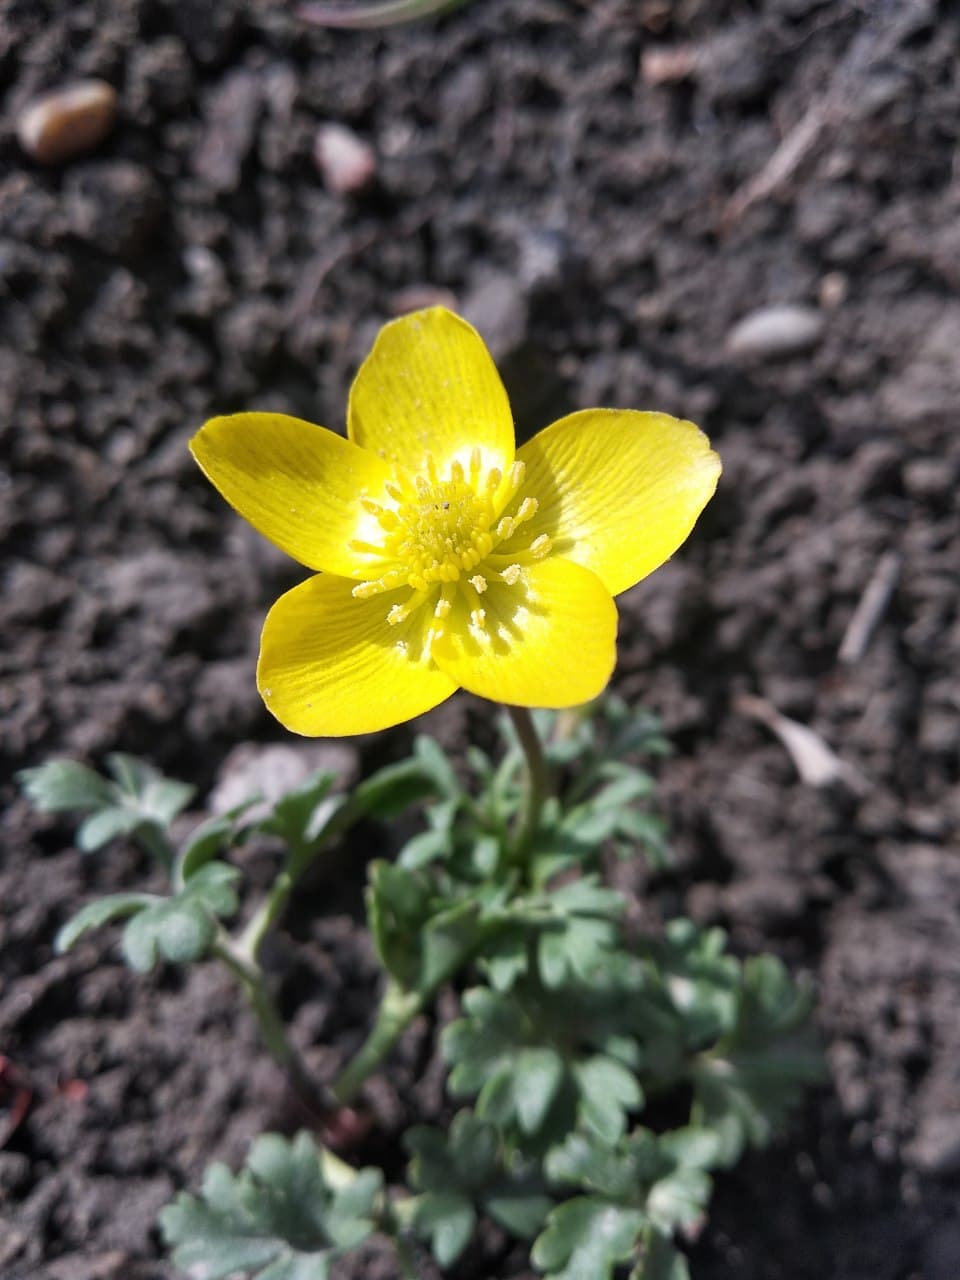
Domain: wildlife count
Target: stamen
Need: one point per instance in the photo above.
(476, 461)
(395, 492)
(389, 581)
(505, 528)
(494, 476)
(511, 574)
(456, 471)
(442, 608)
(540, 546)
(516, 475)
(527, 508)
(479, 583)
(478, 617)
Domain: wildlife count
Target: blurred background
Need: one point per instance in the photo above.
(744, 212)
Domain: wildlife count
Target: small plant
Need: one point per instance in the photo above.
(447, 560)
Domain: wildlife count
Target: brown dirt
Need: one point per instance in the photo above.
(592, 224)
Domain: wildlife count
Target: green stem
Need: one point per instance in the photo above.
(266, 915)
(398, 1008)
(538, 779)
(271, 1025)
(298, 863)
(154, 841)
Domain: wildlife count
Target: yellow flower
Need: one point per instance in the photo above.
(447, 558)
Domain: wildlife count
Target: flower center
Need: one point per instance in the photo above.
(441, 537)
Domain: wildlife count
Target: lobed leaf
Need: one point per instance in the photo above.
(60, 786)
(278, 1218)
(115, 907)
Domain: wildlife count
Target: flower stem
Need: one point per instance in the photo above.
(266, 915)
(269, 1022)
(538, 778)
(398, 1008)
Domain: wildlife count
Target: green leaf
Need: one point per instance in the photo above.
(746, 1085)
(105, 825)
(214, 885)
(116, 907)
(641, 1171)
(537, 1077)
(60, 786)
(465, 1158)
(278, 1218)
(447, 939)
(180, 930)
(394, 788)
(424, 848)
(447, 1219)
(659, 1260)
(573, 948)
(163, 799)
(207, 839)
(586, 1239)
(505, 959)
(299, 817)
(421, 938)
(132, 774)
(608, 1091)
(461, 1168)
(521, 1212)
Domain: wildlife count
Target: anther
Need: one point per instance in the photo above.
(527, 508)
(506, 527)
(516, 475)
(478, 617)
(511, 574)
(479, 583)
(456, 471)
(442, 608)
(540, 546)
(494, 476)
(476, 461)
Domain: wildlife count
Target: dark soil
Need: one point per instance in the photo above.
(598, 223)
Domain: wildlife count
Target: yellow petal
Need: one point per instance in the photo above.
(330, 665)
(297, 484)
(618, 490)
(547, 641)
(430, 386)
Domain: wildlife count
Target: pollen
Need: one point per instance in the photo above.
(438, 536)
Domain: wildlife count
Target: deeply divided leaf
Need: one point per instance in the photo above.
(278, 1219)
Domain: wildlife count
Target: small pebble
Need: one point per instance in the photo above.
(775, 331)
(68, 121)
(346, 163)
(833, 290)
(665, 65)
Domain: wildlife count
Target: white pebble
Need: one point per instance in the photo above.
(775, 331)
(346, 162)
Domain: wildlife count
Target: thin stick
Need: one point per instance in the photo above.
(871, 608)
